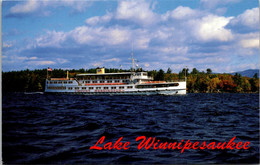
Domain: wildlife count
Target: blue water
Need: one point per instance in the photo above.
(59, 129)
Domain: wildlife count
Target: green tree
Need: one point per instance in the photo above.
(194, 71)
(159, 75)
(255, 76)
(169, 71)
(209, 71)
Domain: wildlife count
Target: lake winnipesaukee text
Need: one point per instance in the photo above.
(153, 143)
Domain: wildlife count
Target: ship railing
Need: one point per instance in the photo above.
(178, 80)
(142, 77)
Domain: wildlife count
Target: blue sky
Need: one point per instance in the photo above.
(219, 34)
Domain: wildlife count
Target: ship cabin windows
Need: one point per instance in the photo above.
(65, 82)
(105, 87)
(129, 87)
(70, 82)
(94, 81)
(84, 88)
(117, 81)
(101, 81)
(87, 82)
(109, 81)
(70, 88)
(113, 87)
(157, 85)
(122, 87)
(98, 87)
(77, 88)
(124, 81)
(105, 77)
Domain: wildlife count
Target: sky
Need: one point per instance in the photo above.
(222, 35)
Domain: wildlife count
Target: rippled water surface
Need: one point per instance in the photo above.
(58, 129)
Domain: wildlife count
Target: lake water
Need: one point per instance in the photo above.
(57, 129)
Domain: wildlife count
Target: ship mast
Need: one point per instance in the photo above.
(133, 61)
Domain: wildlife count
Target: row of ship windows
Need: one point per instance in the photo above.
(70, 82)
(60, 82)
(108, 81)
(89, 88)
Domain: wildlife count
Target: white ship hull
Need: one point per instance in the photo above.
(64, 89)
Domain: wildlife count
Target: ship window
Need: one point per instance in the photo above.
(145, 74)
(117, 81)
(65, 82)
(70, 88)
(110, 81)
(157, 85)
(70, 82)
(101, 81)
(84, 88)
(113, 87)
(121, 87)
(55, 82)
(94, 81)
(105, 87)
(129, 87)
(98, 87)
(91, 88)
(76, 87)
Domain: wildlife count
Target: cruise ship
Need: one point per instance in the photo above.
(124, 83)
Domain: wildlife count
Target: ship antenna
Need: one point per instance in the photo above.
(133, 61)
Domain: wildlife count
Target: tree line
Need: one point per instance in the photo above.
(197, 81)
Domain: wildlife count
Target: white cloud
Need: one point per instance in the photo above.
(85, 35)
(249, 18)
(41, 62)
(112, 60)
(213, 3)
(40, 7)
(173, 50)
(181, 12)
(99, 19)
(247, 43)
(136, 11)
(250, 43)
(7, 45)
(61, 60)
(33, 58)
(210, 28)
(25, 7)
(51, 39)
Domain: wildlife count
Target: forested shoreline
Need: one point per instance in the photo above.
(197, 82)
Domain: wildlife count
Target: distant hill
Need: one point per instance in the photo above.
(248, 73)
